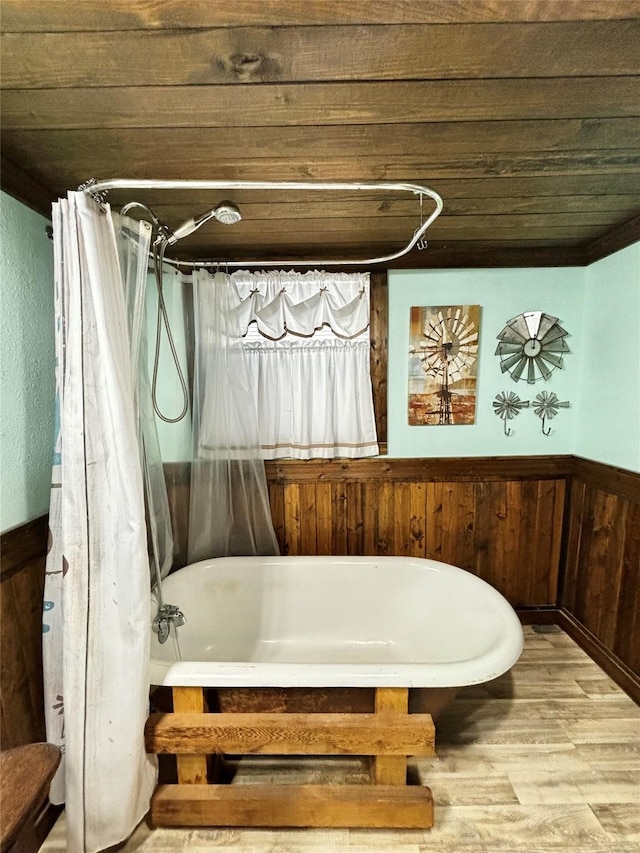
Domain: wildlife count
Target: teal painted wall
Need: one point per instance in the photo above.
(27, 385)
(598, 305)
(502, 294)
(608, 429)
(578, 296)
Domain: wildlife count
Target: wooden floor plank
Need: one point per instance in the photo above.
(573, 730)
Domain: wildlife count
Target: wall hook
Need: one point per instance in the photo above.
(546, 405)
(507, 406)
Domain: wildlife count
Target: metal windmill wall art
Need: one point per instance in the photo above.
(443, 352)
(546, 405)
(531, 346)
(507, 406)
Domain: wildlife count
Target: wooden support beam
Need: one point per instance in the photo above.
(192, 769)
(375, 806)
(291, 734)
(390, 769)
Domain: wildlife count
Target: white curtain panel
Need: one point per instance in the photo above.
(96, 620)
(307, 338)
(133, 240)
(229, 511)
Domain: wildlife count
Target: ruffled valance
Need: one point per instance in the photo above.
(280, 302)
(306, 353)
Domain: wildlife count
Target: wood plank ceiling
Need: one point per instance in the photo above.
(524, 116)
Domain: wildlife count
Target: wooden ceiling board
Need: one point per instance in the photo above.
(59, 15)
(620, 207)
(301, 104)
(525, 116)
(441, 140)
(311, 54)
(476, 191)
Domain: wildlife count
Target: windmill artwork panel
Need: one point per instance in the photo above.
(443, 358)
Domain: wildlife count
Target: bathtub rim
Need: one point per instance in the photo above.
(490, 665)
(246, 674)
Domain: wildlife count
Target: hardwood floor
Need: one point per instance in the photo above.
(545, 759)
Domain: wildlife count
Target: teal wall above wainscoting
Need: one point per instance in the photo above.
(608, 429)
(27, 385)
(596, 305)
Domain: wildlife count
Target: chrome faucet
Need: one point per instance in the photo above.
(167, 615)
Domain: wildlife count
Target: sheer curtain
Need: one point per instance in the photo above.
(96, 621)
(307, 340)
(133, 238)
(229, 506)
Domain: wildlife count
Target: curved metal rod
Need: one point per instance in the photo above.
(545, 431)
(506, 431)
(95, 188)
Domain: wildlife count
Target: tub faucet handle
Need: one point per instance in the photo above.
(175, 615)
(167, 615)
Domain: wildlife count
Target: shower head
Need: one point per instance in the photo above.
(226, 212)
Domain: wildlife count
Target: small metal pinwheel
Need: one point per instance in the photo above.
(507, 406)
(546, 405)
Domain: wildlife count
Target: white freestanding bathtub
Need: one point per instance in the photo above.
(333, 622)
(349, 656)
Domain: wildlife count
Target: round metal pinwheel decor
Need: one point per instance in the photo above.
(507, 406)
(531, 346)
(546, 405)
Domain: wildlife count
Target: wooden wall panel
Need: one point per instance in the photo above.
(323, 520)
(627, 639)
(378, 340)
(507, 531)
(601, 589)
(22, 566)
(21, 594)
(504, 519)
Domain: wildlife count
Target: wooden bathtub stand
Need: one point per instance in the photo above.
(389, 735)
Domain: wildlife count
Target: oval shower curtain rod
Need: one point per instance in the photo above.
(98, 189)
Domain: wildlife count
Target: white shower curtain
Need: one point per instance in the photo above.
(96, 620)
(229, 510)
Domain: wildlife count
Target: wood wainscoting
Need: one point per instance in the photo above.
(555, 534)
(22, 563)
(600, 598)
(23, 553)
(500, 518)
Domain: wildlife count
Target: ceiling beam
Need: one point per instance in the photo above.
(17, 183)
(618, 238)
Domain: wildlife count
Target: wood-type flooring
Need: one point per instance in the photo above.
(545, 759)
